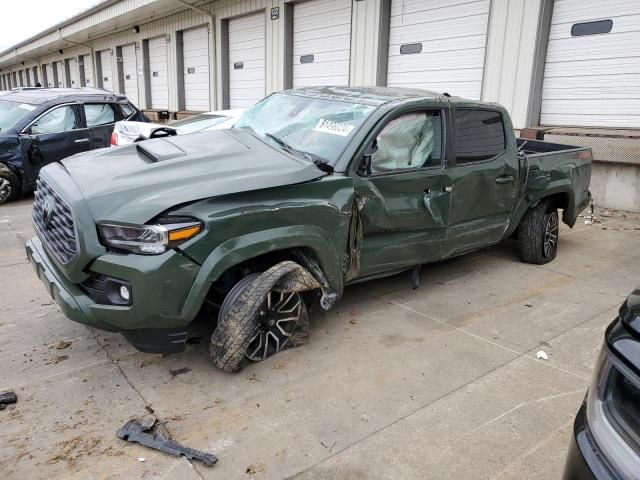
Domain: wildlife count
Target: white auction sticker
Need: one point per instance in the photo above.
(334, 128)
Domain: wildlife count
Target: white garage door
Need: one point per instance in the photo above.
(438, 45)
(74, 74)
(130, 72)
(158, 72)
(321, 42)
(246, 60)
(106, 70)
(195, 48)
(88, 70)
(592, 71)
(60, 73)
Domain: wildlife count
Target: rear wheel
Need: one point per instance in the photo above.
(9, 185)
(538, 234)
(257, 320)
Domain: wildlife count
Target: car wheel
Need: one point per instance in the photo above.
(538, 234)
(257, 320)
(9, 185)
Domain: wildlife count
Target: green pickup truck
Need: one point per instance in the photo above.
(312, 190)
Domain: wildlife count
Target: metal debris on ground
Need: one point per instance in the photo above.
(153, 434)
(6, 398)
(179, 371)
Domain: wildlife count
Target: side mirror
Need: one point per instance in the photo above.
(365, 166)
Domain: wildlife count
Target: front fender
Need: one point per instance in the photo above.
(242, 248)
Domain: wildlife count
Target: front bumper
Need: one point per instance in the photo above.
(585, 460)
(160, 284)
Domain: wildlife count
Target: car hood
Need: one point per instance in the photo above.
(134, 183)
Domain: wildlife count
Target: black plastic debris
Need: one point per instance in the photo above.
(153, 434)
(7, 398)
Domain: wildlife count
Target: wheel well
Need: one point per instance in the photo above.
(225, 282)
(557, 200)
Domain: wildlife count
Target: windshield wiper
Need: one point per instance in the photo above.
(280, 142)
(319, 162)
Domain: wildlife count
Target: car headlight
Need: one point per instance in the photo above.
(149, 239)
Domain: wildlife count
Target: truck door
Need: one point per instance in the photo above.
(484, 181)
(100, 119)
(52, 137)
(402, 193)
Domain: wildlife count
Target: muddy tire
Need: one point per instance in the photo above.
(538, 234)
(9, 185)
(257, 319)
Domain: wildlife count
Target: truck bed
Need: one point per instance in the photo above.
(537, 147)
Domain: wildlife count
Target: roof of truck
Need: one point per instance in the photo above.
(37, 96)
(367, 95)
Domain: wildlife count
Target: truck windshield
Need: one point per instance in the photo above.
(299, 124)
(12, 112)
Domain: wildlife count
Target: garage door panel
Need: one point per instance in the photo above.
(130, 72)
(322, 35)
(195, 47)
(593, 80)
(449, 30)
(576, 11)
(106, 70)
(158, 81)
(453, 39)
(247, 49)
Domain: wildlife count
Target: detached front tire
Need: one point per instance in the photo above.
(257, 320)
(9, 185)
(538, 234)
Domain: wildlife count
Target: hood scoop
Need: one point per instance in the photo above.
(159, 150)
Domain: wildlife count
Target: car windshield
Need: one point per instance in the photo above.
(318, 127)
(12, 112)
(198, 123)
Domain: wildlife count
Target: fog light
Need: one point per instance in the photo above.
(124, 293)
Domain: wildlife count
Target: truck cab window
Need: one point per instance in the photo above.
(412, 140)
(479, 135)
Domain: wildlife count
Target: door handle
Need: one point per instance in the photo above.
(81, 140)
(426, 200)
(502, 179)
(447, 189)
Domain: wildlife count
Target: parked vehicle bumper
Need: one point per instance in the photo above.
(159, 285)
(585, 460)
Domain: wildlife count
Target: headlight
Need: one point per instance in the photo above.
(149, 239)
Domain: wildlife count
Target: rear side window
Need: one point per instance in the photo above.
(127, 109)
(479, 135)
(99, 114)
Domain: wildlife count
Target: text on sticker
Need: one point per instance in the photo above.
(334, 128)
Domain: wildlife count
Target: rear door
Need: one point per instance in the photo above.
(484, 181)
(403, 200)
(100, 119)
(53, 136)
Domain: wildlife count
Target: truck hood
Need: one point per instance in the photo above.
(134, 183)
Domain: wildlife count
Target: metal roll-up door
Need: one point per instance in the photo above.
(438, 46)
(74, 74)
(130, 72)
(321, 42)
(592, 69)
(246, 60)
(158, 73)
(106, 70)
(60, 73)
(195, 49)
(87, 66)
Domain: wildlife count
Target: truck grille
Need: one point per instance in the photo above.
(53, 220)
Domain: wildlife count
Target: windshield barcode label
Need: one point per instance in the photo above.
(334, 128)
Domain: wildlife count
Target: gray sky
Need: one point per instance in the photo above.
(20, 20)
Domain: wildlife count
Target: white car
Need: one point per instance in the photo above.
(126, 131)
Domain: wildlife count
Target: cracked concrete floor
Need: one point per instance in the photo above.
(442, 382)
